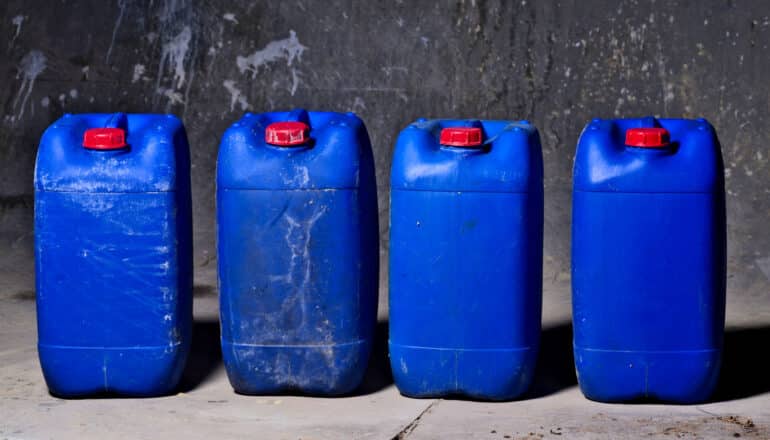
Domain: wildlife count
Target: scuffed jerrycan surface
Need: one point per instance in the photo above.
(648, 259)
(113, 254)
(466, 243)
(298, 252)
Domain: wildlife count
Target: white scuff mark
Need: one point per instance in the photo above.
(173, 55)
(298, 240)
(764, 266)
(122, 9)
(139, 70)
(230, 17)
(167, 317)
(16, 21)
(404, 368)
(236, 96)
(167, 294)
(96, 205)
(32, 65)
(300, 177)
(45, 102)
(289, 49)
(298, 274)
(425, 42)
(73, 94)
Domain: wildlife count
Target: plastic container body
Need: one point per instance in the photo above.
(466, 240)
(113, 256)
(648, 262)
(298, 254)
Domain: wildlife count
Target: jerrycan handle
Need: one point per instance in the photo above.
(292, 132)
(111, 136)
(299, 115)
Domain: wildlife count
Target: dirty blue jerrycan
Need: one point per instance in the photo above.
(298, 252)
(648, 260)
(113, 254)
(466, 244)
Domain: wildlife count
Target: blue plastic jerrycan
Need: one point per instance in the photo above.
(466, 244)
(298, 247)
(648, 259)
(113, 254)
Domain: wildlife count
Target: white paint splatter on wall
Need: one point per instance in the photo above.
(173, 96)
(236, 96)
(173, 55)
(178, 37)
(289, 49)
(171, 8)
(32, 65)
(16, 21)
(230, 17)
(122, 9)
(139, 70)
(359, 105)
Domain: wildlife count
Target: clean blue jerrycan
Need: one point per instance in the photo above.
(113, 254)
(466, 247)
(298, 250)
(648, 260)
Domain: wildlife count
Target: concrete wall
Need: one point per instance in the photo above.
(557, 63)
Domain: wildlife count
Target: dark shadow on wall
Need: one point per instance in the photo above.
(555, 368)
(745, 364)
(205, 355)
(378, 373)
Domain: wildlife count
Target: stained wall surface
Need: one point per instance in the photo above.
(557, 63)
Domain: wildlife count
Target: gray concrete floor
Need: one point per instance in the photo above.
(208, 409)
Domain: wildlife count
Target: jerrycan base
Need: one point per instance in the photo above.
(74, 372)
(483, 374)
(321, 370)
(683, 377)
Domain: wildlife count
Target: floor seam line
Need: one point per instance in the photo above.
(408, 429)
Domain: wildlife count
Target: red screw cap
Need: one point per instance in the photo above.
(104, 139)
(461, 136)
(287, 134)
(653, 137)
